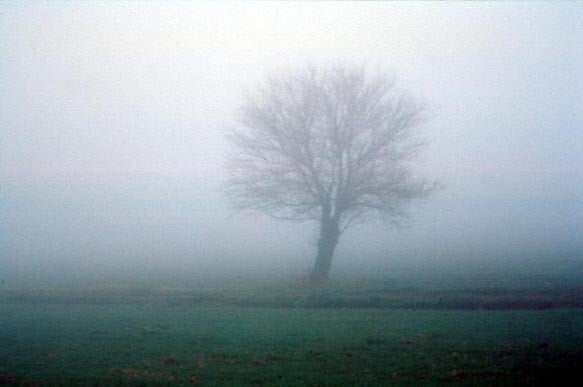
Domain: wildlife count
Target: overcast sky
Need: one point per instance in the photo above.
(112, 122)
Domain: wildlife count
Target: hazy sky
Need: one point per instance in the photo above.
(112, 121)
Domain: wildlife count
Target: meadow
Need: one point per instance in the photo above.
(289, 335)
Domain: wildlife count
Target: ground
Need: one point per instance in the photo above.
(122, 336)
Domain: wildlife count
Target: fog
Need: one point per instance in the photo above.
(113, 120)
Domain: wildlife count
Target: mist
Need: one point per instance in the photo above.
(112, 138)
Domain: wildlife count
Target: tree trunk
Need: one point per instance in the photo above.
(329, 234)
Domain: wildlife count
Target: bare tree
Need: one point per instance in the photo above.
(328, 145)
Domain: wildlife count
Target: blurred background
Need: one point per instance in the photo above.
(113, 120)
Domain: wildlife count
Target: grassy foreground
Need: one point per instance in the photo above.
(110, 344)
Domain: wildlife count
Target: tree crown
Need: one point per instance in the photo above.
(332, 144)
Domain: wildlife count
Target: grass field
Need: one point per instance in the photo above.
(119, 336)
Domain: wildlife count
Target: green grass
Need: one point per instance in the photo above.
(54, 344)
